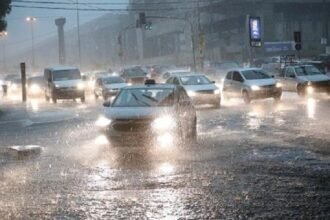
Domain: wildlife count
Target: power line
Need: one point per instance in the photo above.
(100, 9)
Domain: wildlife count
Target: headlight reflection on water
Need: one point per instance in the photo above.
(311, 106)
(164, 123)
(166, 168)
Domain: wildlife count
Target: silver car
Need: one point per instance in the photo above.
(199, 88)
(304, 79)
(250, 83)
(152, 115)
(108, 86)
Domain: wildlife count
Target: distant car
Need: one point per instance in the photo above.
(14, 85)
(152, 116)
(199, 88)
(249, 84)
(108, 86)
(35, 85)
(304, 79)
(157, 71)
(63, 83)
(324, 62)
(134, 75)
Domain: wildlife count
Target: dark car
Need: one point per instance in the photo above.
(134, 75)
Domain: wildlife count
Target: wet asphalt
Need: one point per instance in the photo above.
(265, 160)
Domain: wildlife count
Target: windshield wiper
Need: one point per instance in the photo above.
(138, 100)
(150, 98)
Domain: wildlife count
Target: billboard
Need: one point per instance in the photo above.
(255, 31)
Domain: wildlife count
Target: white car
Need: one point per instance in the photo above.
(108, 86)
(199, 88)
(173, 72)
(250, 83)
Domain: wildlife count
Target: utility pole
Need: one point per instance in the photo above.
(325, 34)
(78, 33)
(3, 36)
(201, 39)
(31, 20)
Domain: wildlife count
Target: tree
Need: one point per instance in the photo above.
(4, 10)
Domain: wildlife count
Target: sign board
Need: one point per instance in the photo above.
(255, 31)
(280, 46)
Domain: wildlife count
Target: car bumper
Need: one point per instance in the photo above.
(201, 99)
(265, 93)
(67, 94)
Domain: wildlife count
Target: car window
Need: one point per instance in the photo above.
(229, 75)
(307, 70)
(237, 77)
(195, 80)
(170, 81)
(255, 74)
(290, 72)
(142, 97)
(64, 75)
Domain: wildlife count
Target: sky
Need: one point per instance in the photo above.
(19, 30)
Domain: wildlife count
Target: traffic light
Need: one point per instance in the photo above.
(148, 26)
(142, 18)
(297, 40)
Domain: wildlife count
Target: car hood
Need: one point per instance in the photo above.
(261, 82)
(68, 83)
(116, 86)
(200, 87)
(314, 78)
(137, 112)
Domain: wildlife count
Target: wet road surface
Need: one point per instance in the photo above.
(263, 160)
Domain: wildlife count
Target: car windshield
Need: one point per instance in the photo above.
(64, 75)
(136, 72)
(255, 74)
(195, 80)
(307, 71)
(113, 80)
(150, 97)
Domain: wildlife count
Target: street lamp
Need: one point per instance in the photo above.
(32, 20)
(3, 35)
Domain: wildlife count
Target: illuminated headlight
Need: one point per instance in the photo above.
(34, 89)
(165, 140)
(309, 90)
(216, 92)
(102, 122)
(309, 83)
(255, 88)
(57, 86)
(129, 84)
(164, 123)
(279, 85)
(80, 86)
(192, 93)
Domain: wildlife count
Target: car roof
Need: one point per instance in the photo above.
(189, 74)
(59, 68)
(244, 69)
(154, 86)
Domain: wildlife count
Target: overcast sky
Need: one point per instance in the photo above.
(20, 32)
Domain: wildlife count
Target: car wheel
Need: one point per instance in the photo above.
(246, 97)
(82, 99)
(54, 100)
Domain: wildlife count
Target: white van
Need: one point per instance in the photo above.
(63, 83)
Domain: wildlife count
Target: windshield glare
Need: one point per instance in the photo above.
(194, 80)
(63, 75)
(144, 98)
(255, 74)
(307, 71)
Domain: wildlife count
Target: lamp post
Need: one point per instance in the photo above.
(32, 20)
(4, 34)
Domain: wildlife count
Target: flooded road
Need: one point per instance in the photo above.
(263, 160)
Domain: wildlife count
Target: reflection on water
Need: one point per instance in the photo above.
(101, 140)
(311, 106)
(166, 168)
(35, 105)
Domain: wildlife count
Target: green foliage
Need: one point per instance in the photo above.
(4, 10)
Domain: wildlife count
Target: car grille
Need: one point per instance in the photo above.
(205, 92)
(321, 83)
(131, 125)
(268, 86)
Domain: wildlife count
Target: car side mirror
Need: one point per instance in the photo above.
(272, 76)
(107, 103)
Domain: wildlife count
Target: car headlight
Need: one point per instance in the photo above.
(165, 140)
(279, 85)
(310, 90)
(309, 83)
(80, 86)
(191, 93)
(164, 123)
(102, 122)
(57, 86)
(255, 88)
(34, 88)
(216, 92)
